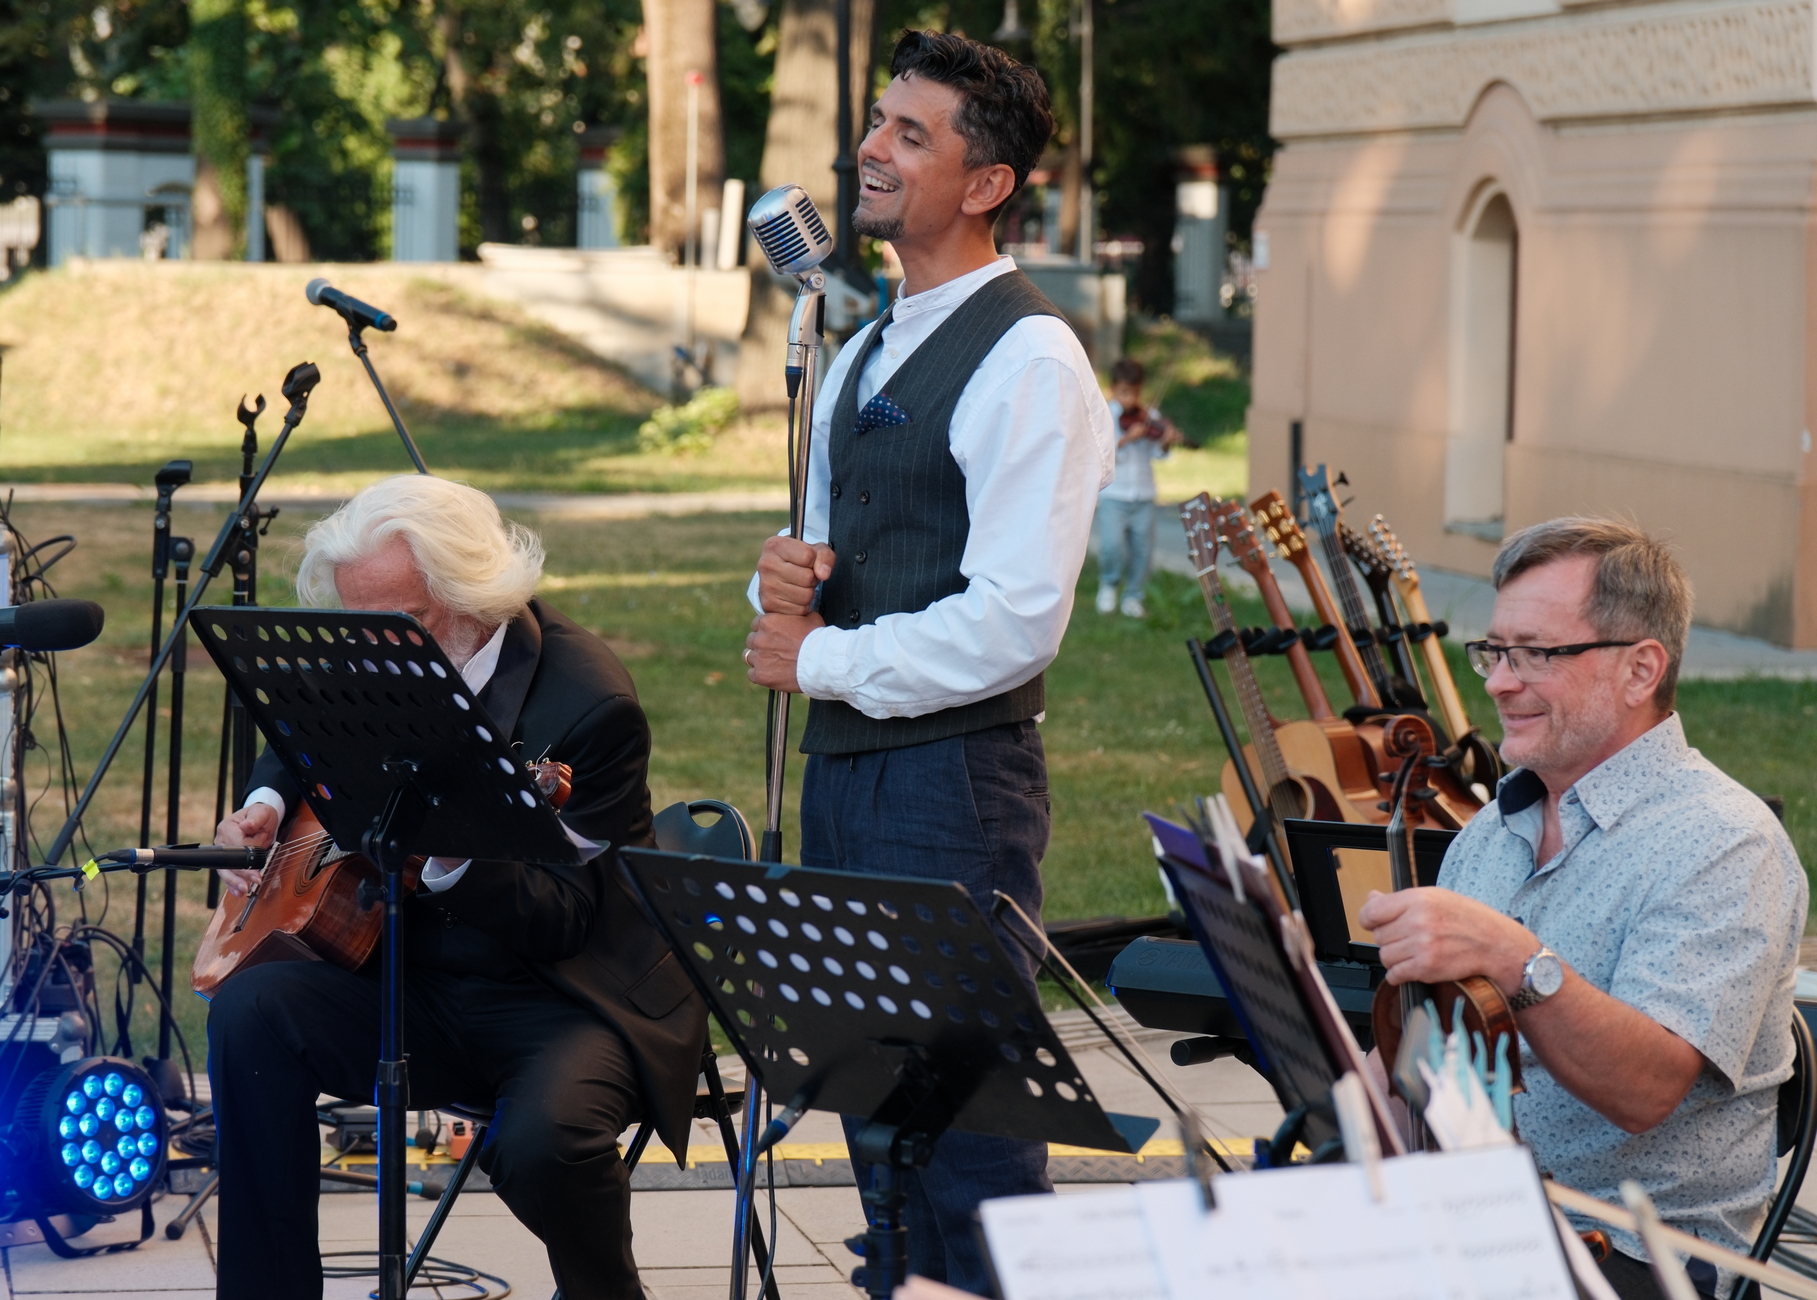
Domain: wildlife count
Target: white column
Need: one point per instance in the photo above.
(255, 206)
(425, 190)
(1200, 221)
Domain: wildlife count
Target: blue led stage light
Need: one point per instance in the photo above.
(93, 1135)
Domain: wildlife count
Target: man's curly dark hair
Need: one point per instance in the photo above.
(1004, 115)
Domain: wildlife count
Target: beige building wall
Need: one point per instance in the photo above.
(1627, 195)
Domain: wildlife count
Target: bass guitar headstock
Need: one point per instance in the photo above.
(1277, 521)
(554, 781)
(1321, 507)
(1377, 568)
(1392, 549)
(1232, 521)
(1201, 534)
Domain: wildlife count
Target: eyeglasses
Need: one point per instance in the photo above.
(1529, 663)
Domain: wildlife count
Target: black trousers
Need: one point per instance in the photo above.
(1634, 1280)
(564, 1083)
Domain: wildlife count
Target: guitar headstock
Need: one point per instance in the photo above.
(1321, 506)
(1232, 521)
(1201, 535)
(1277, 521)
(1377, 568)
(1392, 550)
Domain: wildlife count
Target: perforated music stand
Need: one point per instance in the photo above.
(882, 996)
(398, 760)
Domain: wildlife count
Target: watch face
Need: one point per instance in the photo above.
(1547, 974)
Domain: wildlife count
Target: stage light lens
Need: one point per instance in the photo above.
(104, 1187)
(133, 1095)
(72, 1154)
(91, 1151)
(91, 1086)
(84, 1177)
(123, 1184)
(67, 1127)
(127, 1148)
(89, 1124)
(114, 1084)
(148, 1144)
(106, 1107)
(123, 1121)
(140, 1169)
(110, 1163)
(146, 1117)
(74, 1103)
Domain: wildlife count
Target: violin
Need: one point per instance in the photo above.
(306, 904)
(1485, 1008)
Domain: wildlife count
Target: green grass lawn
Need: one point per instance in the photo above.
(1127, 726)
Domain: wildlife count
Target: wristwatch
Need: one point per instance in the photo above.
(1540, 978)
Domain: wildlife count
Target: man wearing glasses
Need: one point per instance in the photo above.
(1641, 909)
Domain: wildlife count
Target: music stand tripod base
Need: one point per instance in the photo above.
(398, 760)
(881, 996)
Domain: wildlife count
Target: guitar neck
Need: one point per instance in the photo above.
(1356, 614)
(1299, 659)
(1242, 676)
(1438, 668)
(1355, 675)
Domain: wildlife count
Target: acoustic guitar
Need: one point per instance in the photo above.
(1353, 770)
(306, 905)
(1298, 776)
(1378, 576)
(1277, 521)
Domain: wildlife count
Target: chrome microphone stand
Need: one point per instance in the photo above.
(806, 327)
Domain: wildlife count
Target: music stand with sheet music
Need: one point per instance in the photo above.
(1263, 958)
(881, 996)
(397, 760)
(1314, 846)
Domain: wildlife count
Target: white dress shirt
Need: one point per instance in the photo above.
(1035, 441)
(477, 671)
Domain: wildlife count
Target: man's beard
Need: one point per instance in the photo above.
(1574, 732)
(888, 229)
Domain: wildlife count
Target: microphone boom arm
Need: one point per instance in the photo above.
(356, 341)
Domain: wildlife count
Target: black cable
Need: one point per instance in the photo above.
(435, 1274)
(127, 953)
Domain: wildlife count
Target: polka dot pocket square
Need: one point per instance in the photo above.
(880, 412)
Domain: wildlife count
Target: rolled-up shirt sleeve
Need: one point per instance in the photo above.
(1035, 445)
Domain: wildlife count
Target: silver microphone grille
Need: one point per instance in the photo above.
(789, 230)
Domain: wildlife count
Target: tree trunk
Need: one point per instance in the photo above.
(217, 62)
(799, 145)
(479, 109)
(683, 39)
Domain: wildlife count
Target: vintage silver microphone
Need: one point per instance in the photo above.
(788, 228)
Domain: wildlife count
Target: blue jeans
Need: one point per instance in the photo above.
(1126, 538)
(972, 809)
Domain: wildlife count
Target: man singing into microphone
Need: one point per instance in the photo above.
(949, 501)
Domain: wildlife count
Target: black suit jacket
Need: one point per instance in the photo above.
(560, 692)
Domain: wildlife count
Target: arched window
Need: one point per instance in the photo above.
(1482, 371)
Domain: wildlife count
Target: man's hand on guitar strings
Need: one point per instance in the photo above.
(255, 824)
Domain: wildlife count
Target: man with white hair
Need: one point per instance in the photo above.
(542, 989)
(1640, 909)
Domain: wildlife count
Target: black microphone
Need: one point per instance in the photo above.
(51, 624)
(246, 858)
(360, 315)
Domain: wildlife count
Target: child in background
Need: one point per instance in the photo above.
(1126, 509)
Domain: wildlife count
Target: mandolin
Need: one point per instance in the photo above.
(306, 905)
(1353, 768)
(1485, 1008)
(1293, 759)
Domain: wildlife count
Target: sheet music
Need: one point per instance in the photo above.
(1471, 1225)
(1084, 1246)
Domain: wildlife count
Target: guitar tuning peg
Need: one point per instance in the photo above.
(1340, 480)
(1347, 500)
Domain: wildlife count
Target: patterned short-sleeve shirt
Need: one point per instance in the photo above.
(1678, 892)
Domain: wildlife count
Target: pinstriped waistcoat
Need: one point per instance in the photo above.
(897, 518)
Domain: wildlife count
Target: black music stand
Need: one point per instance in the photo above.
(398, 760)
(874, 995)
(1264, 961)
(1312, 847)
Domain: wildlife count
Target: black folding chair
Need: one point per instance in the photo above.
(676, 831)
(1797, 1134)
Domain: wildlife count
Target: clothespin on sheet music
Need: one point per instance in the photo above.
(1231, 848)
(1674, 1283)
(1357, 1125)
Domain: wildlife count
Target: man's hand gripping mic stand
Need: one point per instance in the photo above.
(794, 239)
